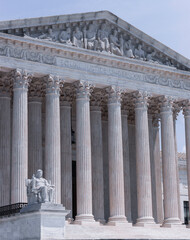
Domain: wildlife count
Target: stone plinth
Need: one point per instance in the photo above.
(36, 221)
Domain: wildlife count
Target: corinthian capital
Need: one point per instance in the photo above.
(114, 94)
(21, 79)
(141, 99)
(166, 103)
(53, 84)
(186, 108)
(83, 89)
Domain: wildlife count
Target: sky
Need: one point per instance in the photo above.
(168, 21)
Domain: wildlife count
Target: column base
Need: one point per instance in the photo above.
(146, 222)
(119, 221)
(101, 221)
(187, 226)
(85, 219)
(172, 222)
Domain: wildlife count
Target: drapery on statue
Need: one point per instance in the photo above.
(39, 190)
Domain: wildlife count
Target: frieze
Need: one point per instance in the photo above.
(33, 56)
(36, 56)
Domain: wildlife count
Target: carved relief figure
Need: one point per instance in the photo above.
(90, 41)
(128, 49)
(103, 36)
(115, 44)
(48, 36)
(65, 37)
(94, 36)
(151, 57)
(78, 38)
(38, 189)
(139, 52)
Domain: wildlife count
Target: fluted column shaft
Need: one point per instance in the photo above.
(169, 165)
(177, 167)
(157, 172)
(34, 135)
(144, 193)
(115, 155)
(126, 165)
(105, 166)
(83, 153)
(186, 112)
(52, 136)
(19, 137)
(97, 164)
(5, 148)
(66, 156)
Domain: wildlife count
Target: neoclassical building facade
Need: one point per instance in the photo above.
(82, 97)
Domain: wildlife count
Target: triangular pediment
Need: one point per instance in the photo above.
(97, 31)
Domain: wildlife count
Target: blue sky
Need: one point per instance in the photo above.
(166, 20)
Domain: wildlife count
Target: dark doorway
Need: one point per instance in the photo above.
(186, 212)
(74, 188)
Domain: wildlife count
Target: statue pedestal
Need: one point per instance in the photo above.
(36, 221)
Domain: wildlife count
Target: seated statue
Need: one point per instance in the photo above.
(128, 49)
(38, 189)
(115, 44)
(78, 38)
(103, 39)
(140, 53)
(90, 41)
(65, 36)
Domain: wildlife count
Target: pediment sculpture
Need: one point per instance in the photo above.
(39, 190)
(101, 37)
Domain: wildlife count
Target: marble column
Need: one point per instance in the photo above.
(186, 112)
(19, 171)
(83, 154)
(144, 193)
(157, 171)
(126, 165)
(97, 161)
(52, 135)
(115, 155)
(66, 155)
(169, 164)
(34, 134)
(105, 163)
(5, 146)
(175, 113)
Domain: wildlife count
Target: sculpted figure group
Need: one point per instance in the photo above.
(99, 37)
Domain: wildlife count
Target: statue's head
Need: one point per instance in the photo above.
(50, 31)
(68, 30)
(39, 173)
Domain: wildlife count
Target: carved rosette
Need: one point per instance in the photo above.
(83, 89)
(21, 79)
(35, 91)
(114, 95)
(186, 108)
(166, 104)
(53, 84)
(5, 86)
(96, 101)
(66, 96)
(141, 99)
